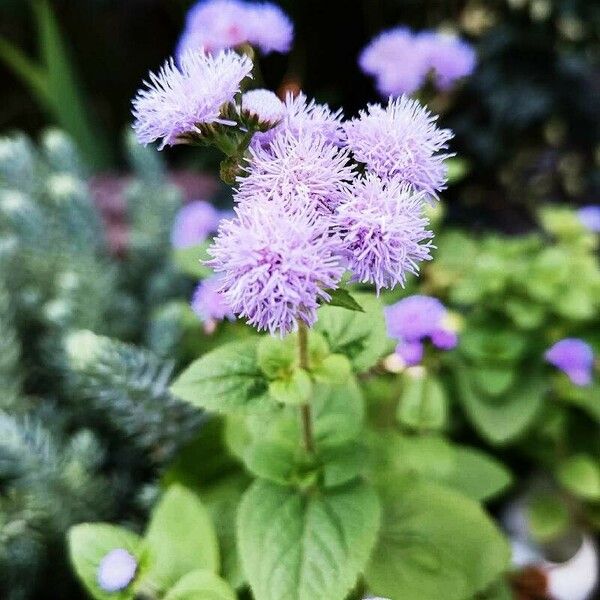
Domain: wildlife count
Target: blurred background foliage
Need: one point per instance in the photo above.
(526, 121)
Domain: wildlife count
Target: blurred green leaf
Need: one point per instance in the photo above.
(189, 260)
(548, 517)
(580, 474)
(423, 404)
(201, 585)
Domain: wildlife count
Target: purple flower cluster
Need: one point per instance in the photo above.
(575, 358)
(589, 216)
(401, 60)
(193, 223)
(213, 25)
(209, 303)
(415, 319)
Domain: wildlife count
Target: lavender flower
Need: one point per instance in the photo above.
(449, 57)
(179, 99)
(214, 25)
(209, 304)
(193, 223)
(401, 141)
(392, 59)
(384, 231)
(415, 319)
(295, 170)
(275, 266)
(589, 216)
(575, 358)
(116, 570)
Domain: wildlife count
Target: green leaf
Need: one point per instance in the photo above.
(272, 461)
(342, 298)
(343, 464)
(225, 380)
(423, 403)
(361, 336)
(493, 381)
(548, 517)
(180, 538)
(580, 474)
(277, 357)
(306, 546)
(334, 369)
(89, 543)
(504, 418)
(295, 390)
(189, 260)
(434, 543)
(458, 169)
(201, 585)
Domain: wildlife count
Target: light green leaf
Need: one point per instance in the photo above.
(295, 390)
(580, 474)
(225, 380)
(343, 464)
(334, 369)
(189, 260)
(277, 357)
(423, 403)
(89, 543)
(180, 538)
(272, 461)
(458, 169)
(493, 381)
(342, 298)
(306, 546)
(547, 516)
(201, 585)
(434, 543)
(362, 337)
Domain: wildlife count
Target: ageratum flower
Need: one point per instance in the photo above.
(193, 223)
(179, 99)
(275, 266)
(213, 25)
(295, 171)
(589, 217)
(304, 117)
(575, 358)
(383, 231)
(209, 305)
(116, 570)
(401, 141)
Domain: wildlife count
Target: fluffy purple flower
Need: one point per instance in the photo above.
(179, 99)
(575, 358)
(384, 231)
(193, 223)
(392, 58)
(209, 304)
(410, 352)
(295, 171)
(116, 570)
(449, 57)
(213, 25)
(589, 216)
(264, 105)
(401, 141)
(275, 266)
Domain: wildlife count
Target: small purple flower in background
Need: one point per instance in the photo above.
(213, 25)
(179, 99)
(116, 570)
(415, 319)
(209, 305)
(383, 230)
(297, 170)
(193, 224)
(401, 141)
(275, 266)
(589, 216)
(575, 358)
(449, 57)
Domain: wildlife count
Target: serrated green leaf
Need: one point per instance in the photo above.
(225, 380)
(342, 298)
(306, 547)
(362, 337)
(580, 474)
(343, 464)
(180, 538)
(547, 517)
(189, 260)
(272, 461)
(201, 585)
(434, 543)
(89, 543)
(423, 403)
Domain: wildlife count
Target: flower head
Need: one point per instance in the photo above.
(275, 266)
(384, 231)
(181, 98)
(263, 105)
(209, 304)
(116, 570)
(297, 170)
(193, 223)
(449, 57)
(589, 216)
(410, 352)
(401, 141)
(213, 25)
(575, 358)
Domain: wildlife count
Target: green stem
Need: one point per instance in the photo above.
(305, 412)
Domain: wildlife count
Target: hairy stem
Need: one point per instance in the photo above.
(305, 412)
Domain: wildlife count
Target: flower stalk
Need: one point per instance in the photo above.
(305, 411)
